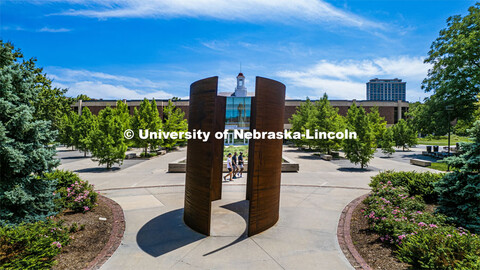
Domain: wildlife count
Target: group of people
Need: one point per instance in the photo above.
(234, 166)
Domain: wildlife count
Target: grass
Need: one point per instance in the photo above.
(235, 148)
(438, 166)
(442, 140)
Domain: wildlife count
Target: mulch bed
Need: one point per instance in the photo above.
(91, 246)
(378, 255)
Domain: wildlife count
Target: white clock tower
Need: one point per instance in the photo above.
(240, 90)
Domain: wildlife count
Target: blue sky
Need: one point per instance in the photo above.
(132, 49)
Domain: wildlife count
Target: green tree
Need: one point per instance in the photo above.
(458, 191)
(462, 126)
(426, 119)
(82, 97)
(404, 135)
(52, 103)
(67, 129)
(146, 118)
(327, 120)
(155, 124)
(86, 123)
(455, 76)
(379, 125)
(173, 121)
(303, 119)
(121, 111)
(359, 150)
(26, 152)
(107, 142)
(387, 142)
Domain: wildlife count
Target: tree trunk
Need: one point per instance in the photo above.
(85, 154)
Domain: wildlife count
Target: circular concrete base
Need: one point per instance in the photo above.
(229, 218)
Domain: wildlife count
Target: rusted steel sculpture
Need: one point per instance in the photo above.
(265, 156)
(203, 182)
(217, 169)
(200, 156)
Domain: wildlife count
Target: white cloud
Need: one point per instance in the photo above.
(43, 29)
(346, 79)
(105, 86)
(12, 28)
(53, 30)
(315, 11)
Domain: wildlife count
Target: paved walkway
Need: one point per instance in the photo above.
(304, 238)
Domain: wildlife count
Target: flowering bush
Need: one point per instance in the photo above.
(416, 184)
(63, 178)
(72, 192)
(441, 248)
(425, 240)
(32, 245)
(393, 213)
(79, 196)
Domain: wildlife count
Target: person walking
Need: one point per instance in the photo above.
(229, 167)
(240, 164)
(234, 165)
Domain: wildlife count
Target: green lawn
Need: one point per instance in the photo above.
(438, 166)
(235, 148)
(443, 140)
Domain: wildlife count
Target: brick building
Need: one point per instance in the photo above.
(392, 111)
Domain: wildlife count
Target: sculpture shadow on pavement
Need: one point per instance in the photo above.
(166, 233)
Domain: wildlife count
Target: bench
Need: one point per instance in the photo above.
(420, 162)
(326, 157)
(130, 156)
(161, 152)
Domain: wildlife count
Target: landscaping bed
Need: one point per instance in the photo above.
(89, 240)
(377, 254)
(398, 225)
(85, 230)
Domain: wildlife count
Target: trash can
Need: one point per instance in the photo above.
(429, 148)
(435, 148)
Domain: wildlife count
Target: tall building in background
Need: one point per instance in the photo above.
(386, 90)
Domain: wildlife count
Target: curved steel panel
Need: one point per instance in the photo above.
(200, 155)
(220, 108)
(265, 156)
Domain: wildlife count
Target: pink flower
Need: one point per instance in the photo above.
(421, 224)
(400, 237)
(57, 244)
(433, 226)
(86, 208)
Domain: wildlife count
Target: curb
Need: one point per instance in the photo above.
(116, 235)
(345, 239)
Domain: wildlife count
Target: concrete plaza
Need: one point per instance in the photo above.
(304, 237)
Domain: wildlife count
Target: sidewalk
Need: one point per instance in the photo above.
(304, 238)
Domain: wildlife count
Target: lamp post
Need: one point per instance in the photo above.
(449, 108)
